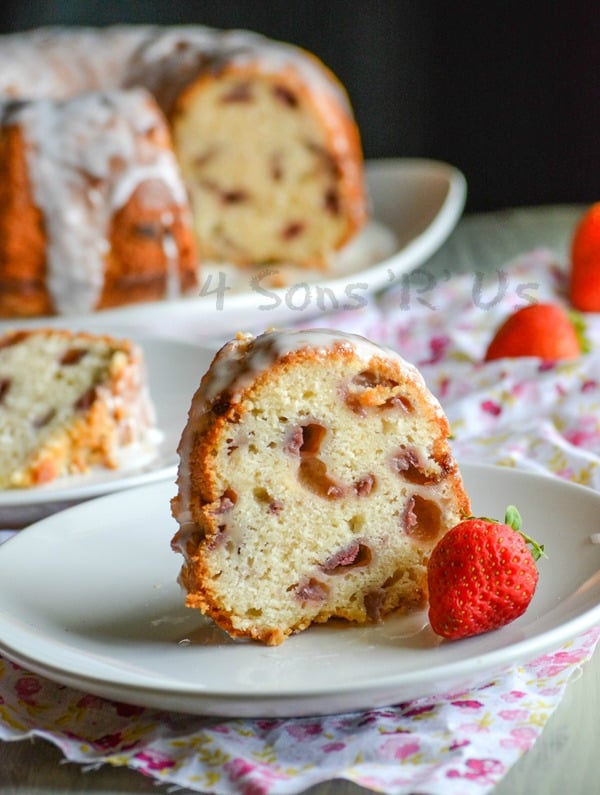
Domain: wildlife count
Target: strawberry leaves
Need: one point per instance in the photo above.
(512, 518)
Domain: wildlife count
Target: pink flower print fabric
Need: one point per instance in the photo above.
(457, 744)
(521, 413)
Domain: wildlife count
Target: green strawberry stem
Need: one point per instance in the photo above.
(580, 327)
(512, 518)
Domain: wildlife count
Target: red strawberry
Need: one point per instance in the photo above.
(543, 330)
(584, 288)
(481, 575)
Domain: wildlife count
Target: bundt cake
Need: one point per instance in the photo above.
(315, 477)
(130, 155)
(69, 401)
(92, 207)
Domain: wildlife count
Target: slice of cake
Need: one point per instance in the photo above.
(68, 401)
(315, 478)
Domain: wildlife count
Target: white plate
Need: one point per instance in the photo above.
(174, 371)
(89, 598)
(416, 204)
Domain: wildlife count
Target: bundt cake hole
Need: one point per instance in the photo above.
(326, 162)
(238, 92)
(231, 548)
(398, 402)
(422, 519)
(368, 379)
(374, 601)
(388, 427)
(395, 577)
(220, 407)
(331, 201)
(217, 539)
(292, 230)
(231, 446)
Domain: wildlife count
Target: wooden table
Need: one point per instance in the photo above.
(564, 759)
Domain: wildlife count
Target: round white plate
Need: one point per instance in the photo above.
(88, 597)
(416, 204)
(174, 371)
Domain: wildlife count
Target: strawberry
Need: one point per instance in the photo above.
(543, 330)
(482, 575)
(584, 287)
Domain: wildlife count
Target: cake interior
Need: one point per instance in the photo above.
(267, 163)
(327, 511)
(53, 399)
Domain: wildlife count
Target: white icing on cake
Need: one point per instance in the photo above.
(57, 62)
(89, 154)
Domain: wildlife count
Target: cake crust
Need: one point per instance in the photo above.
(315, 477)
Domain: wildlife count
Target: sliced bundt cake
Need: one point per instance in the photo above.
(315, 477)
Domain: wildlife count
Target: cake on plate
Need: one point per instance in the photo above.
(69, 401)
(130, 155)
(315, 477)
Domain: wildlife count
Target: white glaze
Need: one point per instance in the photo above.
(57, 62)
(273, 345)
(89, 155)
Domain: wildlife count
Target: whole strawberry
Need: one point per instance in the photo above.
(584, 286)
(482, 575)
(543, 330)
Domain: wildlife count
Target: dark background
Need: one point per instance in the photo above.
(508, 92)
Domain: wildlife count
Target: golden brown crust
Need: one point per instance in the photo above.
(23, 291)
(434, 495)
(138, 265)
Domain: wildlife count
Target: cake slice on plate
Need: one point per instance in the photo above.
(315, 478)
(69, 401)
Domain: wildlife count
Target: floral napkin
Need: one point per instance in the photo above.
(520, 413)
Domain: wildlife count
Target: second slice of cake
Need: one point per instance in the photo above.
(69, 401)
